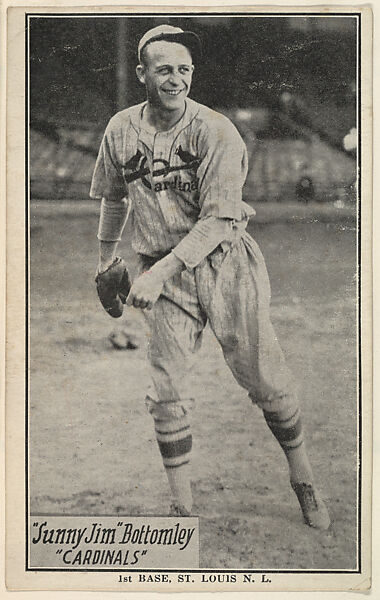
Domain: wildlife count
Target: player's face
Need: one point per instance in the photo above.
(167, 74)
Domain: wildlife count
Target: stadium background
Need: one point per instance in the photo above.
(289, 85)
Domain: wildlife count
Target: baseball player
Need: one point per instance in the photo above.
(179, 168)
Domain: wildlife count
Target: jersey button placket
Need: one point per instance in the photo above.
(158, 153)
(154, 156)
(163, 196)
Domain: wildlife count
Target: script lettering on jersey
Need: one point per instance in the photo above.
(137, 168)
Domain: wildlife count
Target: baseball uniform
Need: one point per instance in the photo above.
(173, 181)
(183, 187)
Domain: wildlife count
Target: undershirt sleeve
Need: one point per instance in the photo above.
(113, 217)
(204, 237)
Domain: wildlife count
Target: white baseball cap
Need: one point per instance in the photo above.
(172, 34)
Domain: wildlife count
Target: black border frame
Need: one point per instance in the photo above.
(359, 309)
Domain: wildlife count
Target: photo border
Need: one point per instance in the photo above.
(186, 11)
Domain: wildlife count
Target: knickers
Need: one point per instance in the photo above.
(230, 289)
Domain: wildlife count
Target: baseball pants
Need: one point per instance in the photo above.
(230, 289)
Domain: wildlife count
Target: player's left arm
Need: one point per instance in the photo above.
(222, 173)
(147, 288)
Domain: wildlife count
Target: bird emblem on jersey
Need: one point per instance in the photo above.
(186, 157)
(133, 163)
(138, 168)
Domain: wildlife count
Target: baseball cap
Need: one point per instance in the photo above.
(172, 34)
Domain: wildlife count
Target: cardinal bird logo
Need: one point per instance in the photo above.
(185, 156)
(137, 168)
(133, 163)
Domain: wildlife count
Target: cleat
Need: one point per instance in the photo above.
(178, 510)
(313, 508)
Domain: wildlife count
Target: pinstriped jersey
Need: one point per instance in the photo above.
(172, 178)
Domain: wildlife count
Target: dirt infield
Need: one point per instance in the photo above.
(92, 446)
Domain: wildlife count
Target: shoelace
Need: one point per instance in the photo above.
(308, 497)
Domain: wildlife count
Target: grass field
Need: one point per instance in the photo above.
(92, 446)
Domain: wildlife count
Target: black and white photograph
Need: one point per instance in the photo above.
(193, 370)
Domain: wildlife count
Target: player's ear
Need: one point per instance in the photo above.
(140, 72)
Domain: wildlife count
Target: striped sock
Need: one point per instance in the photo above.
(286, 427)
(175, 441)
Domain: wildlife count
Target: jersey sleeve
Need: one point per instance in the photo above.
(107, 180)
(222, 171)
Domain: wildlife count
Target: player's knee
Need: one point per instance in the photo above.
(281, 402)
(164, 410)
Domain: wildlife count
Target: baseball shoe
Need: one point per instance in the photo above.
(313, 508)
(178, 510)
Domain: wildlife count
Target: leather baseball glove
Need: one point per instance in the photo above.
(113, 287)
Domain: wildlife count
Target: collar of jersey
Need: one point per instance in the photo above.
(148, 133)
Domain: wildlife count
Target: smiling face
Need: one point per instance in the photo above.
(166, 71)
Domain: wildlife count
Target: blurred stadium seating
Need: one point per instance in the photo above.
(289, 85)
(287, 161)
(62, 160)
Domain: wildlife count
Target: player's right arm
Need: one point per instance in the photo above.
(113, 217)
(107, 253)
(108, 185)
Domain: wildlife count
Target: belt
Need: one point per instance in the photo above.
(237, 229)
(149, 261)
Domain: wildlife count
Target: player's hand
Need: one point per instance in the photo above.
(146, 290)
